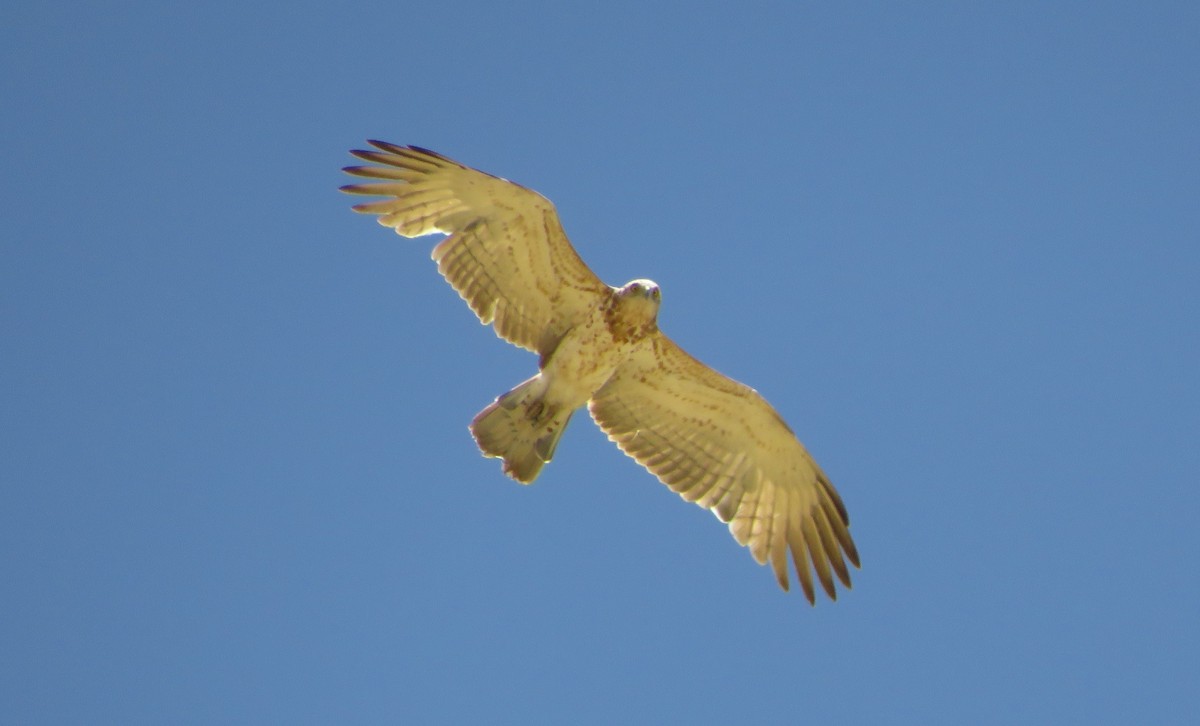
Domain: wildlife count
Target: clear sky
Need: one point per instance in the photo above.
(957, 245)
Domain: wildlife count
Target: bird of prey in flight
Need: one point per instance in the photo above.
(712, 440)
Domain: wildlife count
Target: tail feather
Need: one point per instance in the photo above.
(521, 429)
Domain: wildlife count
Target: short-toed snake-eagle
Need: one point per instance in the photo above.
(709, 438)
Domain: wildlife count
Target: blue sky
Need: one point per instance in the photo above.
(956, 245)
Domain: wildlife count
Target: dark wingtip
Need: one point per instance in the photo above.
(852, 555)
(385, 145)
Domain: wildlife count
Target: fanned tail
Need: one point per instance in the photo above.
(521, 429)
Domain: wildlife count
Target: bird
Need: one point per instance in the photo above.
(712, 440)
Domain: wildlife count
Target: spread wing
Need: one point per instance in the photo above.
(719, 444)
(506, 253)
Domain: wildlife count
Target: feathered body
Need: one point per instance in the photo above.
(523, 426)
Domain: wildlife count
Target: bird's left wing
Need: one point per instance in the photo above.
(506, 253)
(719, 444)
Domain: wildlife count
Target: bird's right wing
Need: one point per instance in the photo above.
(506, 253)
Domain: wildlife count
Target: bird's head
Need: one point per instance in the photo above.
(647, 289)
(636, 308)
(641, 295)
